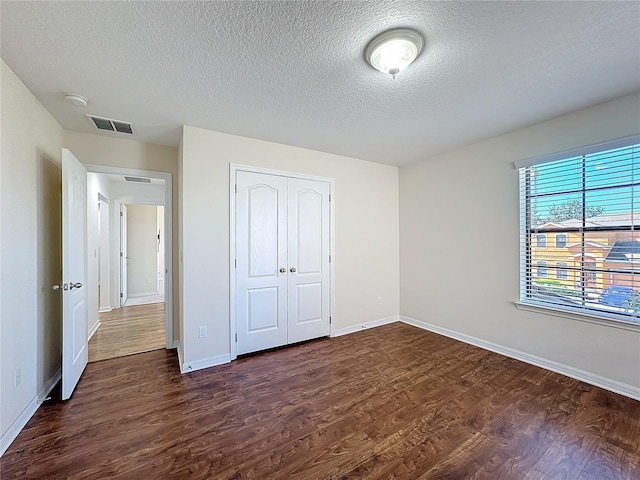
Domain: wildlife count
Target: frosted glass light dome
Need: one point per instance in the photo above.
(392, 51)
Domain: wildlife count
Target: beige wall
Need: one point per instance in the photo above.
(116, 152)
(459, 230)
(142, 245)
(366, 232)
(30, 235)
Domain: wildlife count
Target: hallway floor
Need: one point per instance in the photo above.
(128, 330)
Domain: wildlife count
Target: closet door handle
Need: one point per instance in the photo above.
(283, 270)
(292, 269)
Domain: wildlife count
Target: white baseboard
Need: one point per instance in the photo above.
(625, 389)
(363, 326)
(143, 294)
(16, 427)
(94, 329)
(105, 309)
(204, 363)
(176, 344)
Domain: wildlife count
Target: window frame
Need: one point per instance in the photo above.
(542, 265)
(566, 239)
(529, 303)
(562, 267)
(541, 244)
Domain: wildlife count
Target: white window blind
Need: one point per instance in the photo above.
(580, 231)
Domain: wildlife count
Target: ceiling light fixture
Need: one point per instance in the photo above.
(75, 99)
(392, 51)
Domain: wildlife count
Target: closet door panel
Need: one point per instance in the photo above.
(261, 251)
(308, 251)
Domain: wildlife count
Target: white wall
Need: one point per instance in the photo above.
(125, 153)
(366, 232)
(96, 185)
(142, 245)
(459, 231)
(30, 235)
(138, 193)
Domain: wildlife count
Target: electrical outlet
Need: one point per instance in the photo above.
(379, 300)
(202, 332)
(17, 377)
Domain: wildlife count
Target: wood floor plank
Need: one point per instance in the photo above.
(128, 330)
(394, 402)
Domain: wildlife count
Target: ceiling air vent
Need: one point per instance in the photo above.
(110, 125)
(137, 179)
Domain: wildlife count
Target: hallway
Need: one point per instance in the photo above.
(128, 330)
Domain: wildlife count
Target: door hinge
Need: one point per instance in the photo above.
(329, 320)
(120, 254)
(329, 197)
(236, 263)
(120, 213)
(121, 295)
(236, 188)
(329, 258)
(166, 270)
(236, 338)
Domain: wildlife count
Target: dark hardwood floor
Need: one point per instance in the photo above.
(393, 402)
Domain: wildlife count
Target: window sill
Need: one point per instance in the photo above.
(612, 320)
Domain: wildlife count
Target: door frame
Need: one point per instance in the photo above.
(233, 169)
(122, 274)
(168, 232)
(102, 252)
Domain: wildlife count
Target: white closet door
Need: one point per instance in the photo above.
(308, 231)
(261, 252)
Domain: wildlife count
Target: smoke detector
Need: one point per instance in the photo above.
(76, 100)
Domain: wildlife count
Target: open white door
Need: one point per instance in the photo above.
(75, 348)
(124, 259)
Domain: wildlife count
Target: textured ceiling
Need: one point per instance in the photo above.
(294, 72)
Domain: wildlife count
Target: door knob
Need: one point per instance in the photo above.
(74, 285)
(60, 287)
(283, 270)
(292, 269)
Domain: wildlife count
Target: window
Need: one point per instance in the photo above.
(541, 240)
(562, 272)
(542, 269)
(589, 202)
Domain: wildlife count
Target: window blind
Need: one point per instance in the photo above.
(580, 231)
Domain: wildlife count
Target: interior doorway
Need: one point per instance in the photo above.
(133, 312)
(142, 260)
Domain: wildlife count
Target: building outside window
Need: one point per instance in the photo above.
(562, 273)
(561, 240)
(541, 240)
(542, 270)
(588, 201)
